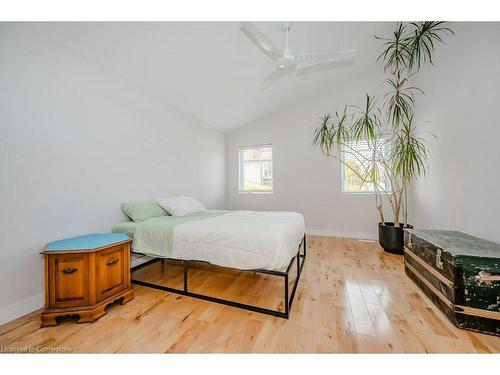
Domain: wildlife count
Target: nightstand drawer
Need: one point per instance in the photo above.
(69, 278)
(111, 271)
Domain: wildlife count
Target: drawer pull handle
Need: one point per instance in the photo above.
(68, 271)
(112, 261)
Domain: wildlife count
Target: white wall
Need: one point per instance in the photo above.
(75, 142)
(462, 188)
(304, 180)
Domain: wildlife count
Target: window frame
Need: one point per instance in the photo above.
(342, 175)
(241, 173)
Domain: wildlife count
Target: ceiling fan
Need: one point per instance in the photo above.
(286, 63)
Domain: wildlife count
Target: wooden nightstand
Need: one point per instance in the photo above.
(85, 274)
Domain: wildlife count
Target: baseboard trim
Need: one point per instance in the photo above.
(21, 308)
(334, 233)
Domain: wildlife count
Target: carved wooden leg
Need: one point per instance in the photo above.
(86, 316)
(49, 320)
(98, 313)
(127, 297)
(89, 316)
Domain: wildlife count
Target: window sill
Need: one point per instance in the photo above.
(255, 192)
(362, 192)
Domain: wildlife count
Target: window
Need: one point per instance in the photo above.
(358, 156)
(256, 169)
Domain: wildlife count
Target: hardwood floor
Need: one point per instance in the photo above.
(352, 298)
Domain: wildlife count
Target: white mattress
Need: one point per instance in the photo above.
(241, 239)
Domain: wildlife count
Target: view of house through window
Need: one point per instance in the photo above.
(256, 169)
(358, 156)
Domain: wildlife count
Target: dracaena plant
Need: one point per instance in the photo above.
(386, 124)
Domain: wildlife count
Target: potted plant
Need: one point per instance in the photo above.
(381, 137)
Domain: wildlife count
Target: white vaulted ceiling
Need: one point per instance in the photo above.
(211, 70)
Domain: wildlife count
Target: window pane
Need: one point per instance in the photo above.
(256, 169)
(359, 159)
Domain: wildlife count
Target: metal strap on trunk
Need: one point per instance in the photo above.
(438, 294)
(477, 312)
(429, 268)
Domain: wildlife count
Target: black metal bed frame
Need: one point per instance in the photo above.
(284, 274)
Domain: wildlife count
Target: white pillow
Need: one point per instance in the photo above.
(179, 206)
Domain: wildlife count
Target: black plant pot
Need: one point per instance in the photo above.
(391, 238)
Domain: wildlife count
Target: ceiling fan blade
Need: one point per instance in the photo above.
(260, 40)
(329, 59)
(272, 78)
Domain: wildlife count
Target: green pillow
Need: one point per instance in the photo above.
(140, 211)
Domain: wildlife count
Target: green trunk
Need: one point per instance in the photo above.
(459, 273)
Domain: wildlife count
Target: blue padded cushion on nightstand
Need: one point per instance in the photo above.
(89, 241)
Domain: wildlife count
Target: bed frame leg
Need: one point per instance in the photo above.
(185, 263)
(298, 264)
(287, 305)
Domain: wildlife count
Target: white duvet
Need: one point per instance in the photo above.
(241, 239)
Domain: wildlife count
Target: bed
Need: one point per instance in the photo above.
(257, 241)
